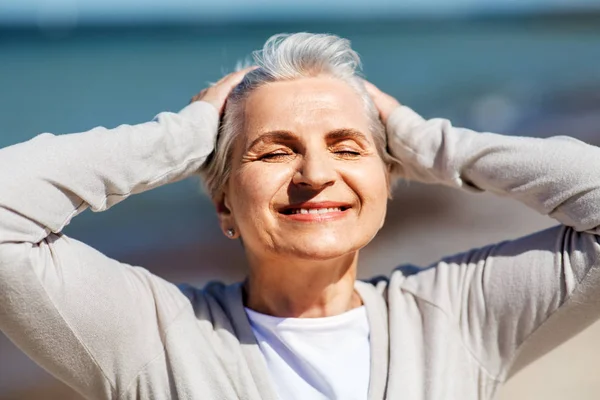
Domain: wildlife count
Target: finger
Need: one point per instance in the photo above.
(223, 89)
(235, 78)
(218, 93)
(223, 79)
(199, 96)
(372, 90)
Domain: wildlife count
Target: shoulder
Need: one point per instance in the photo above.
(214, 300)
(431, 285)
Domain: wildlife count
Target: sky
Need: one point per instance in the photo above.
(107, 11)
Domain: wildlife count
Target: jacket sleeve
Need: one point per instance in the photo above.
(513, 301)
(89, 320)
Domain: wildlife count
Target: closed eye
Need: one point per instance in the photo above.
(348, 154)
(279, 156)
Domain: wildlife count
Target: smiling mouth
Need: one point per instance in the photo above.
(307, 211)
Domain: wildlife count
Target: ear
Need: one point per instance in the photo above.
(226, 217)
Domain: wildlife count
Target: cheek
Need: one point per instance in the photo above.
(370, 182)
(255, 186)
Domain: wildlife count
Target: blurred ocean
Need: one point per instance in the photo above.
(506, 75)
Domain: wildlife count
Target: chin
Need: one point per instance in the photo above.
(319, 248)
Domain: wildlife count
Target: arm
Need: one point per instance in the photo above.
(555, 176)
(71, 309)
(516, 300)
(89, 320)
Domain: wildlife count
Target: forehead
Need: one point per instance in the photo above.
(304, 106)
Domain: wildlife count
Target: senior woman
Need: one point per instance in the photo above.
(301, 173)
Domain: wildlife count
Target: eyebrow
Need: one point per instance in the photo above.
(347, 133)
(272, 137)
(287, 136)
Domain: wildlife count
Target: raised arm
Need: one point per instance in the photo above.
(90, 320)
(522, 297)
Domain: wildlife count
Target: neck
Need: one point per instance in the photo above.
(301, 288)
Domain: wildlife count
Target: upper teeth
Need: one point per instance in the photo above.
(315, 210)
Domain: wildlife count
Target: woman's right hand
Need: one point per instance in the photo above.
(81, 298)
(217, 94)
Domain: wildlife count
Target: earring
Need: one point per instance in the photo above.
(230, 232)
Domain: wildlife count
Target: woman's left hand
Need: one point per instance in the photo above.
(385, 103)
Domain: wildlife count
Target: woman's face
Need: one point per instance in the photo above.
(306, 181)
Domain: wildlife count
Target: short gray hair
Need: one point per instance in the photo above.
(286, 57)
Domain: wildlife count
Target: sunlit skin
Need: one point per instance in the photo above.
(305, 144)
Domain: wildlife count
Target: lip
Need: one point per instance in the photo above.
(329, 216)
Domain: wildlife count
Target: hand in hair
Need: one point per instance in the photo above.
(383, 101)
(217, 94)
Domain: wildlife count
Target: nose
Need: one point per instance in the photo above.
(316, 171)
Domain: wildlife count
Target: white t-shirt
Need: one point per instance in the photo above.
(316, 358)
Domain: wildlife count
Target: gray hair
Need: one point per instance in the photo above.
(287, 57)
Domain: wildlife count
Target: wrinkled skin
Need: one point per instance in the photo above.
(273, 172)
